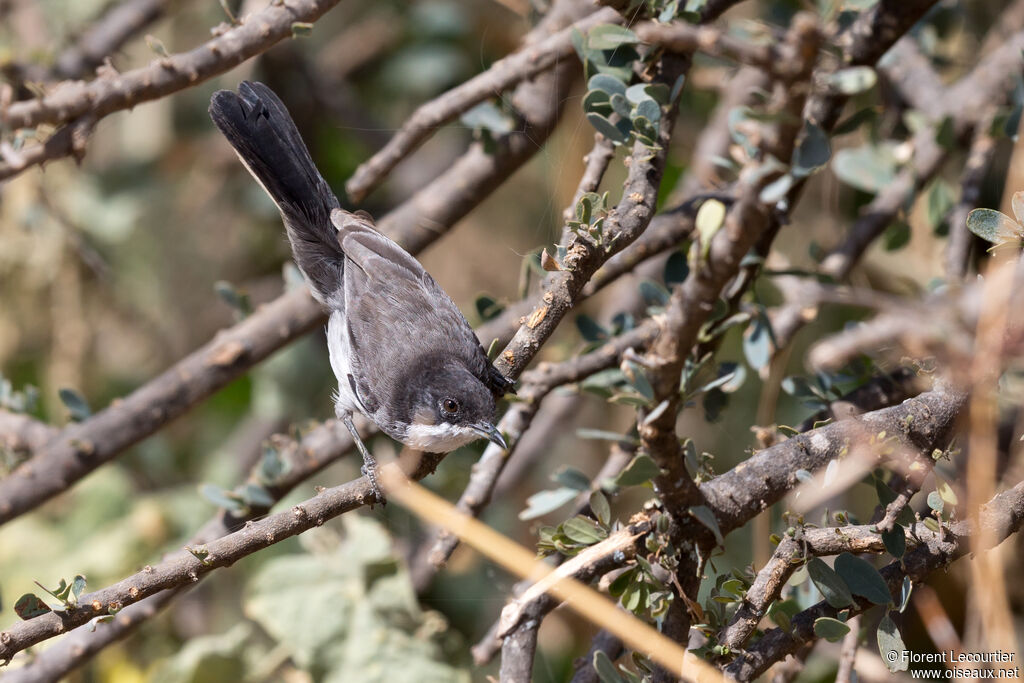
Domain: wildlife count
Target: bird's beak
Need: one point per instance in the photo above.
(491, 433)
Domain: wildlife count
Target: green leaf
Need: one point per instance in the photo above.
(862, 579)
(775, 191)
(896, 236)
(935, 501)
(272, 465)
(606, 671)
(256, 495)
(78, 407)
(606, 127)
(782, 612)
(647, 109)
(221, 498)
(584, 530)
(855, 120)
(543, 502)
(940, 201)
(895, 541)
(945, 136)
(676, 268)
(610, 36)
(572, 478)
(607, 84)
(637, 378)
(890, 645)
(868, 168)
(618, 586)
(704, 515)
(597, 101)
(348, 613)
(640, 470)
(590, 330)
(234, 297)
(653, 294)
(994, 226)
(487, 307)
(619, 105)
(617, 62)
(757, 343)
(853, 80)
(730, 378)
(600, 507)
(487, 116)
(77, 586)
(830, 629)
(30, 606)
(813, 152)
(831, 585)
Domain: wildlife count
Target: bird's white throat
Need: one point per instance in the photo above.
(440, 438)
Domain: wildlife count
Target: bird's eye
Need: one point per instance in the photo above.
(449, 406)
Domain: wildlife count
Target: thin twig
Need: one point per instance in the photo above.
(70, 100)
(526, 63)
(1003, 516)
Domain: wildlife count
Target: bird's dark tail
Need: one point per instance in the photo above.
(258, 126)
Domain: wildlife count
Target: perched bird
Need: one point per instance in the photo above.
(404, 355)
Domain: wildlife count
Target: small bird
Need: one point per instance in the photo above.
(403, 353)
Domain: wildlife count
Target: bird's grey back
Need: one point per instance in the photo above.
(397, 314)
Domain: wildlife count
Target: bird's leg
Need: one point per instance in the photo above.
(369, 468)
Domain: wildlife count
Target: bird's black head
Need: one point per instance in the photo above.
(449, 406)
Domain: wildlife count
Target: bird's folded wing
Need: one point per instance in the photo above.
(370, 250)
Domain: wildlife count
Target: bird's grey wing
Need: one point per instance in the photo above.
(396, 311)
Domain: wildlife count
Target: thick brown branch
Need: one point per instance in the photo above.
(922, 423)
(23, 434)
(257, 33)
(82, 447)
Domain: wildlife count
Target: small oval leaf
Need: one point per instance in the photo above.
(30, 606)
(830, 629)
(831, 585)
(994, 226)
(863, 579)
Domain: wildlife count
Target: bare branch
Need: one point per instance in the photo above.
(186, 567)
(21, 433)
(105, 36)
(530, 60)
(691, 302)
(71, 140)
(84, 446)
(71, 100)
(1003, 516)
(922, 423)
